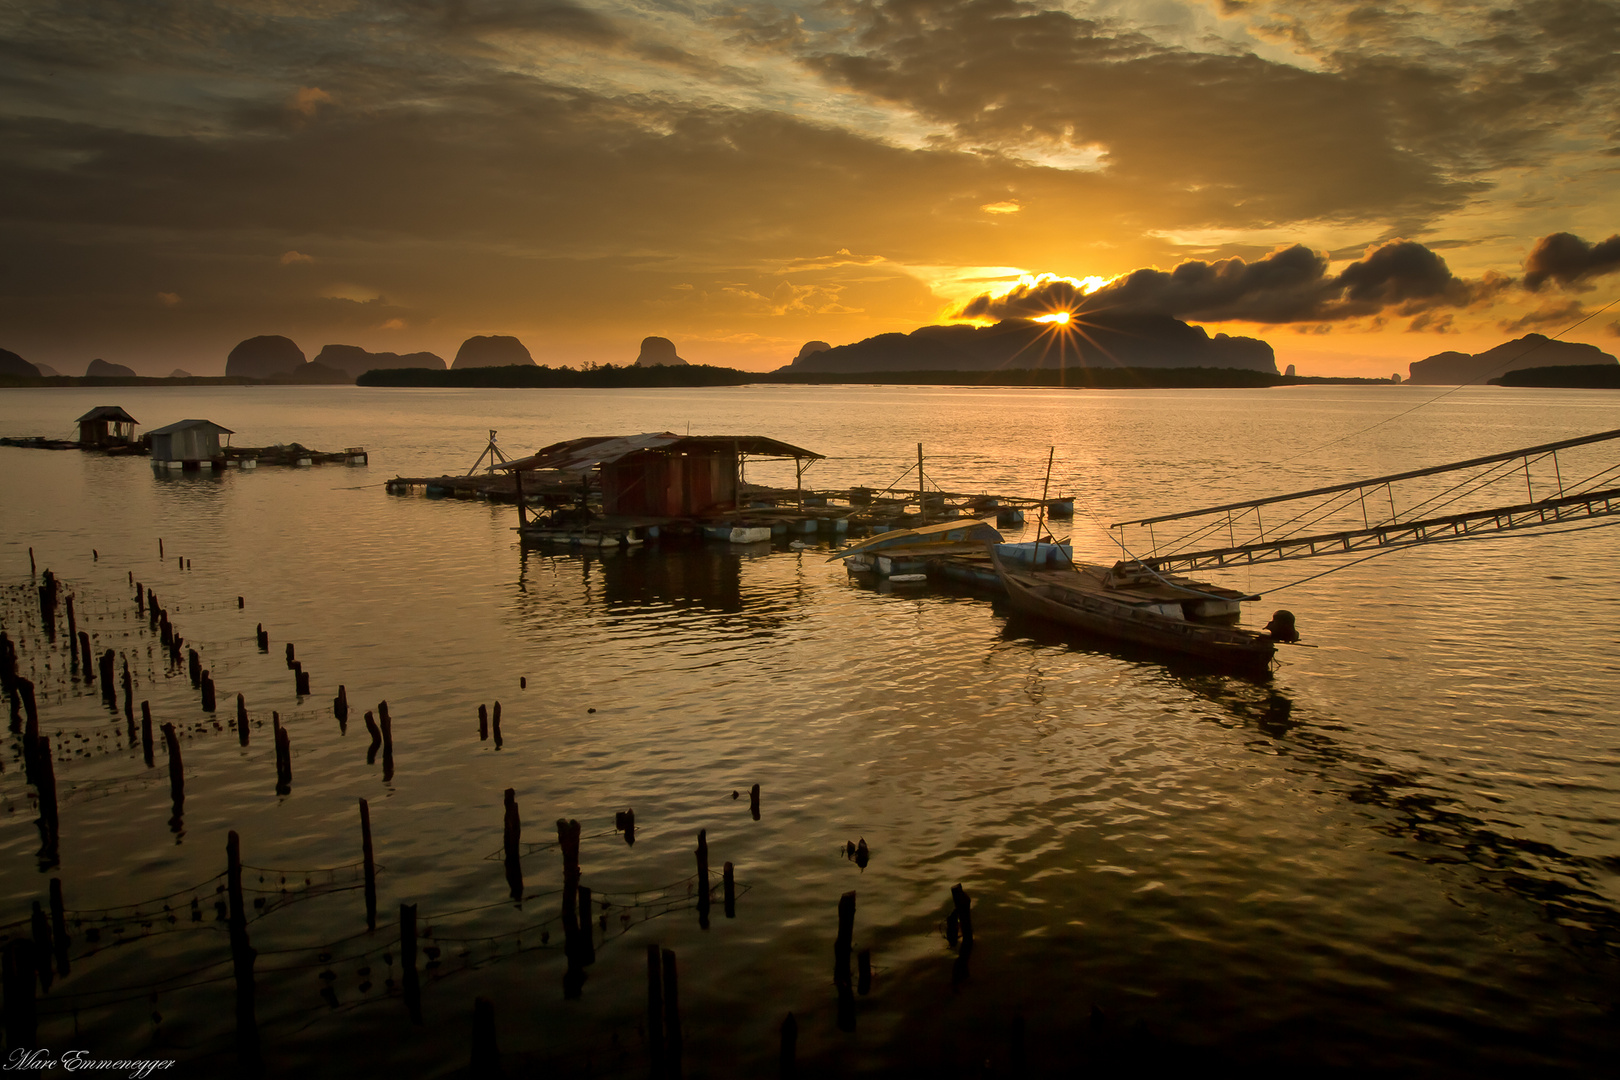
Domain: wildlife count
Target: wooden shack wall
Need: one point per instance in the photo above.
(187, 444)
(669, 485)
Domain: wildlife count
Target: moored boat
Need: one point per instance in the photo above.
(908, 551)
(1161, 615)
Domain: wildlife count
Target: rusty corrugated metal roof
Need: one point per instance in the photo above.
(578, 455)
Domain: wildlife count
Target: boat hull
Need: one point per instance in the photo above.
(1098, 616)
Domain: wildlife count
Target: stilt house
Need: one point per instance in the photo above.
(663, 474)
(106, 425)
(188, 441)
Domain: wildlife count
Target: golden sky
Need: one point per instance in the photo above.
(1361, 184)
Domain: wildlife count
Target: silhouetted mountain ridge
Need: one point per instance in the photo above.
(1093, 341)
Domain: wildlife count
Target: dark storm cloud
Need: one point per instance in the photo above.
(1569, 260)
(1290, 285)
(1391, 123)
(1212, 138)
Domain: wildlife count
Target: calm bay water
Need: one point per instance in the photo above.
(1399, 852)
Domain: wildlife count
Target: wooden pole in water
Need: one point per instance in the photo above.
(84, 647)
(483, 723)
(964, 914)
(177, 775)
(73, 630)
(283, 757)
(146, 732)
(387, 729)
(845, 940)
(207, 692)
(495, 724)
(290, 660)
(340, 707)
(242, 956)
(512, 832)
(753, 801)
(128, 683)
(369, 866)
(922, 507)
(59, 932)
(730, 885)
(376, 737)
(25, 689)
(703, 871)
(407, 960)
(263, 637)
(45, 784)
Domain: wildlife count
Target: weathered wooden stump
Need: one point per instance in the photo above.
(368, 865)
(177, 775)
(146, 732)
(512, 832)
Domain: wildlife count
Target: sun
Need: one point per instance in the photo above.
(1057, 318)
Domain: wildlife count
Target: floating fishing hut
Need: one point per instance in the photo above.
(650, 479)
(187, 444)
(106, 426)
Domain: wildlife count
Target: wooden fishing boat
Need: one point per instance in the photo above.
(1157, 614)
(906, 553)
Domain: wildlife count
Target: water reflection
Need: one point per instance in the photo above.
(662, 588)
(1416, 806)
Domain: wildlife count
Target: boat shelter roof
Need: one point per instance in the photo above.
(578, 455)
(112, 414)
(186, 425)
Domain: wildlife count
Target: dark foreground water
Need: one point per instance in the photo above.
(1398, 853)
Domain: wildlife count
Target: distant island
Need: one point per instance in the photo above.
(1096, 341)
(1530, 351)
(609, 376)
(1569, 376)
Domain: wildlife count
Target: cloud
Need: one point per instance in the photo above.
(309, 99)
(1567, 259)
(288, 258)
(1005, 206)
(1290, 285)
(168, 299)
(1547, 316)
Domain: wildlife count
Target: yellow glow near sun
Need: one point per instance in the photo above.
(1059, 318)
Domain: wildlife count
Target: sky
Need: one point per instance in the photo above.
(1360, 184)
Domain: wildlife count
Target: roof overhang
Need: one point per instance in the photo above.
(580, 455)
